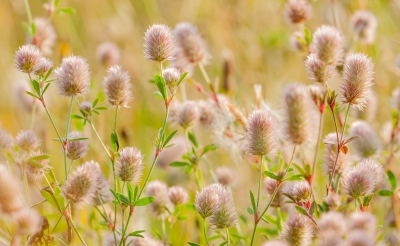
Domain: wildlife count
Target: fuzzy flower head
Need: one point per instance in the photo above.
(76, 149)
(108, 53)
(299, 113)
(298, 191)
(159, 43)
(81, 185)
(27, 140)
(375, 167)
(73, 77)
(33, 168)
(332, 224)
(86, 107)
(27, 58)
(364, 24)
(130, 166)
(297, 231)
(225, 216)
(359, 238)
(10, 192)
(159, 191)
(298, 11)
(207, 200)
(191, 44)
(44, 66)
(368, 145)
(225, 176)
(319, 71)
(270, 186)
(102, 189)
(330, 154)
(117, 86)
(28, 221)
(359, 181)
(328, 45)
(171, 77)
(45, 35)
(261, 137)
(178, 195)
(6, 140)
(358, 74)
(188, 114)
(364, 221)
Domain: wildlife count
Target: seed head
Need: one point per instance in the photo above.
(299, 113)
(45, 36)
(297, 231)
(73, 77)
(299, 191)
(191, 45)
(226, 176)
(368, 145)
(10, 192)
(28, 221)
(319, 71)
(159, 43)
(87, 108)
(117, 86)
(130, 166)
(364, 24)
(332, 224)
(188, 114)
(108, 53)
(207, 200)
(270, 186)
(27, 58)
(159, 191)
(76, 149)
(33, 168)
(102, 189)
(171, 77)
(178, 195)
(225, 216)
(27, 140)
(6, 140)
(80, 186)
(358, 74)
(364, 221)
(330, 154)
(328, 45)
(261, 137)
(359, 181)
(44, 66)
(298, 11)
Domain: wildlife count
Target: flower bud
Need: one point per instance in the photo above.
(27, 140)
(319, 71)
(188, 114)
(178, 195)
(225, 216)
(76, 149)
(207, 200)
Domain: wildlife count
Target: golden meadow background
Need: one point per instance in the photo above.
(254, 31)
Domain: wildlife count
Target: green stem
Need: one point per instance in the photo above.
(164, 232)
(321, 123)
(70, 166)
(59, 219)
(66, 136)
(77, 232)
(259, 181)
(32, 119)
(205, 232)
(54, 126)
(28, 11)
(227, 236)
(101, 141)
(125, 229)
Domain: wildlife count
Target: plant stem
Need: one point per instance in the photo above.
(28, 11)
(259, 182)
(227, 236)
(164, 232)
(70, 166)
(99, 138)
(66, 136)
(54, 126)
(205, 232)
(59, 219)
(126, 227)
(321, 123)
(77, 232)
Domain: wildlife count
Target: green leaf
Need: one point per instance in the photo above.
(193, 244)
(301, 210)
(77, 139)
(207, 148)
(114, 142)
(136, 233)
(312, 208)
(39, 157)
(191, 206)
(367, 200)
(31, 94)
(48, 74)
(27, 28)
(50, 198)
(144, 201)
(95, 102)
(170, 136)
(101, 108)
(295, 177)
(250, 210)
(75, 116)
(115, 195)
(299, 168)
(392, 180)
(56, 2)
(136, 192)
(253, 203)
(384, 192)
(66, 11)
(160, 83)
(36, 86)
(131, 195)
(193, 139)
(271, 175)
(224, 243)
(183, 217)
(33, 28)
(61, 240)
(158, 95)
(45, 89)
(179, 164)
(181, 78)
(124, 199)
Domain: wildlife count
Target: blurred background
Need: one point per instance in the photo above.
(253, 35)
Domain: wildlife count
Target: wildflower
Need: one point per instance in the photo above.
(317, 93)
(319, 71)
(359, 238)
(108, 53)
(27, 140)
(298, 191)
(171, 77)
(261, 137)
(44, 66)
(76, 149)
(117, 86)
(159, 43)
(27, 58)
(45, 35)
(225, 176)
(270, 186)
(328, 45)
(364, 24)
(375, 167)
(357, 79)
(297, 231)
(359, 181)
(73, 77)
(188, 114)
(368, 144)
(207, 200)
(333, 200)
(102, 189)
(298, 11)
(178, 195)
(298, 123)
(332, 224)
(86, 108)
(364, 221)
(35, 169)
(130, 166)
(162, 205)
(207, 114)
(80, 186)
(190, 43)
(9, 193)
(225, 216)
(330, 155)
(27, 220)
(295, 42)
(6, 140)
